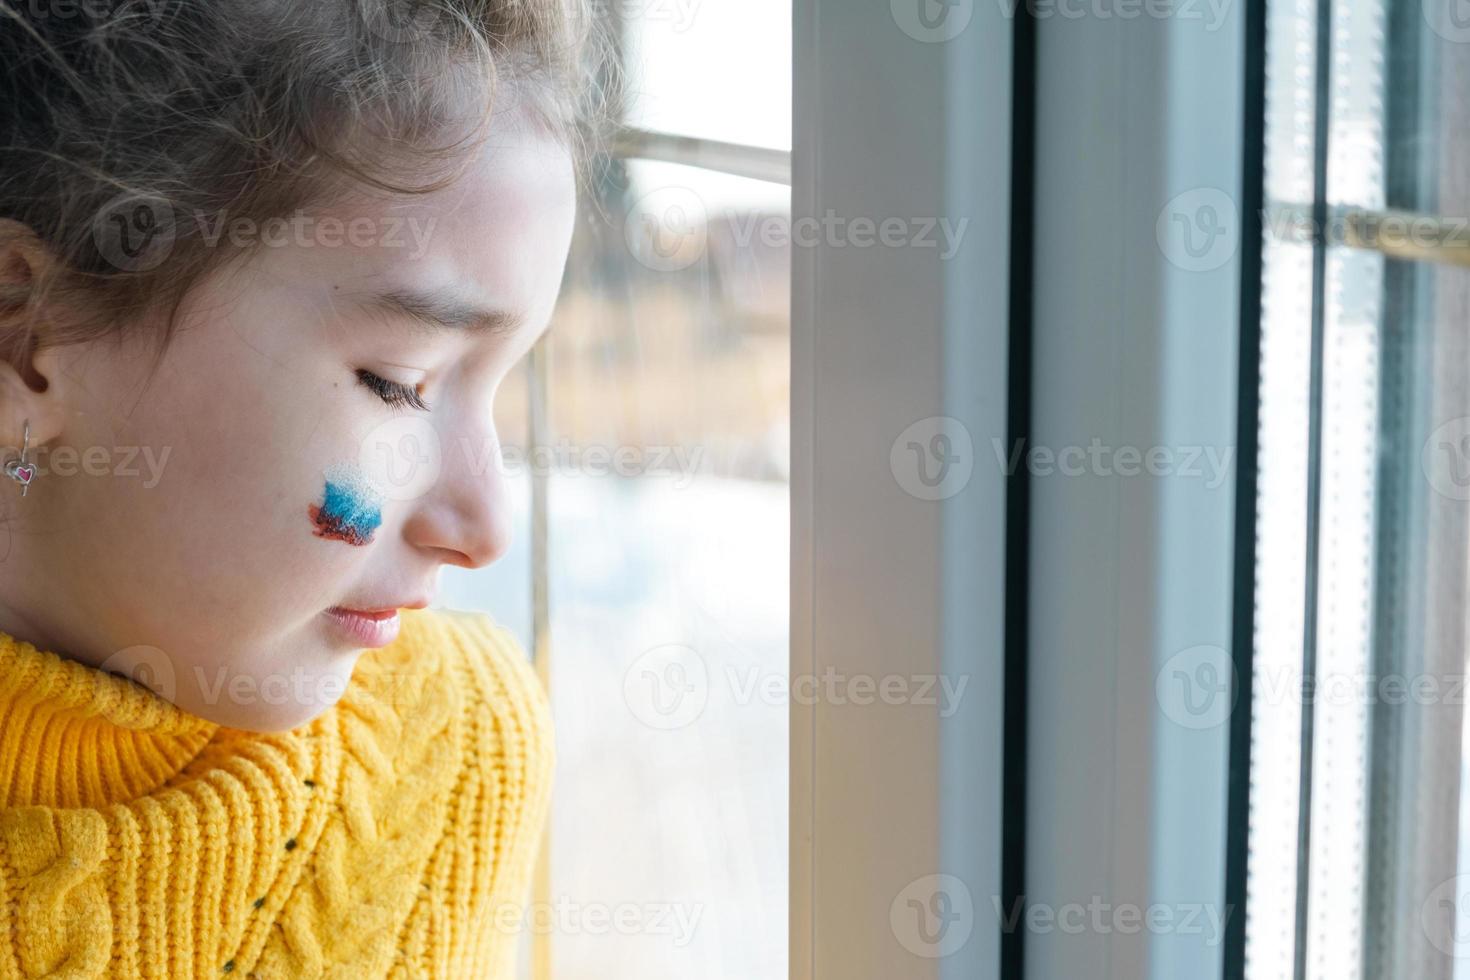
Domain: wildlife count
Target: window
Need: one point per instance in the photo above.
(648, 438)
(1357, 824)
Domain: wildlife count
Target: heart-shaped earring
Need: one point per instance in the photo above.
(18, 469)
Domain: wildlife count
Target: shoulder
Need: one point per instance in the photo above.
(445, 741)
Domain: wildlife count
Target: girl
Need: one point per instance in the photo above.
(263, 264)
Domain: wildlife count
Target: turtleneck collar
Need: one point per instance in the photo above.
(77, 736)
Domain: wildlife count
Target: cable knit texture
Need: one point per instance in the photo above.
(392, 836)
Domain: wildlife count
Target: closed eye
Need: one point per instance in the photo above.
(391, 392)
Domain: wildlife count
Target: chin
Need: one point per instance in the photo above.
(275, 702)
(276, 719)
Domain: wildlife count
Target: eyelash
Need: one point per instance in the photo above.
(391, 392)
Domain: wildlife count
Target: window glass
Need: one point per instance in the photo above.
(665, 464)
(715, 69)
(1387, 893)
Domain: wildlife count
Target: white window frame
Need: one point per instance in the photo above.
(884, 583)
(1124, 806)
(1127, 804)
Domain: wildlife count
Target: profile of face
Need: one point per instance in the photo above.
(319, 435)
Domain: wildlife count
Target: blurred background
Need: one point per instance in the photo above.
(650, 571)
(648, 439)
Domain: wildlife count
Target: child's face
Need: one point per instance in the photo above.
(269, 482)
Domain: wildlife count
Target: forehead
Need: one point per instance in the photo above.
(497, 235)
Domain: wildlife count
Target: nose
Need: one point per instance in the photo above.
(464, 515)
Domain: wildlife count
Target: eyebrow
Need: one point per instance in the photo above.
(442, 310)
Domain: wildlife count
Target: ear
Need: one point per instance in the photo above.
(26, 393)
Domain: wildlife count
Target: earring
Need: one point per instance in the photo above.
(18, 469)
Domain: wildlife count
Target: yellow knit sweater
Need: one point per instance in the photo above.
(392, 836)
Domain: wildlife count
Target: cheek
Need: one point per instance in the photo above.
(266, 503)
(350, 509)
(244, 509)
(254, 544)
(265, 432)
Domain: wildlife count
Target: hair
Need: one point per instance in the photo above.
(120, 118)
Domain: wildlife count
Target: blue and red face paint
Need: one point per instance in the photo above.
(350, 510)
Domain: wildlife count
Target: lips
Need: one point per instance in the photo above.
(381, 610)
(371, 623)
(377, 615)
(360, 628)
